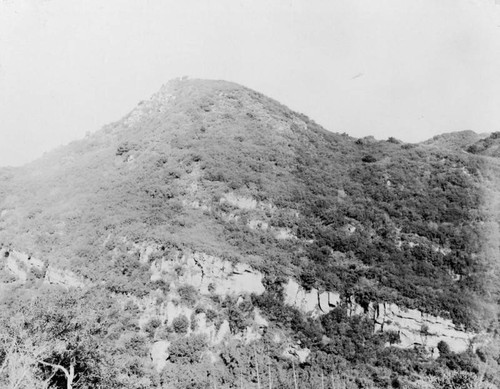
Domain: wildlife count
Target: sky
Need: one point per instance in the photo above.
(409, 69)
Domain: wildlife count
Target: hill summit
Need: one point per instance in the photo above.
(214, 176)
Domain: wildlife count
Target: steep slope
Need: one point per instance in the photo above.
(177, 168)
(209, 175)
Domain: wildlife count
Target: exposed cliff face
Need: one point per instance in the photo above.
(208, 178)
(22, 267)
(419, 329)
(208, 274)
(211, 275)
(414, 327)
(311, 301)
(223, 169)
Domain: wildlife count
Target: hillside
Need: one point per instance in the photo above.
(202, 208)
(455, 141)
(488, 146)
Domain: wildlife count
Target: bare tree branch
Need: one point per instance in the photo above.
(70, 375)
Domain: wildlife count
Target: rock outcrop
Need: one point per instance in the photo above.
(64, 278)
(208, 274)
(22, 266)
(159, 354)
(311, 301)
(242, 202)
(211, 275)
(296, 352)
(414, 327)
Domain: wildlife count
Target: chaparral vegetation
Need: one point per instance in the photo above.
(110, 226)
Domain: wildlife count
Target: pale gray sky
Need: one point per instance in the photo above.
(403, 68)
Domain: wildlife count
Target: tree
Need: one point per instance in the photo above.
(18, 364)
(55, 338)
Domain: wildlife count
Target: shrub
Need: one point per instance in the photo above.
(180, 324)
(185, 376)
(194, 323)
(308, 279)
(151, 326)
(236, 319)
(188, 350)
(393, 140)
(369, 159)
(123, 148)
(408, 146)
(457, 380)
(199, 309)
(443, 347)
(38, 273)
(188, 294)
(136, 343)
(160, 284)
(474, 149)
(393, 337)
(211, 315)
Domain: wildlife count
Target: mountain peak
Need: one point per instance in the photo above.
(183, 83)
(210, 175)
(192, 89)
(186, 96)
(165, 173)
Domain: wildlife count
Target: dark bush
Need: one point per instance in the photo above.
(137, 343)
(180, 324)
(187, 349)
(393, 337)
(236, 318)
(211, 315)
(160, 284)
(369, 159)
(394, 140)
(151, 326)
(187, 294)
(123, 148)
(199, 309)
(444, 348)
